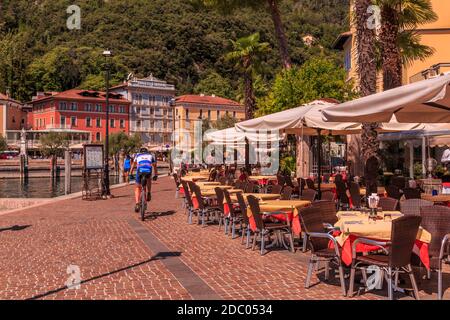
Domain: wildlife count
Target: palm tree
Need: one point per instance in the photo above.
(399, 43)
(367, 72)
(247, 52)
(230, 5)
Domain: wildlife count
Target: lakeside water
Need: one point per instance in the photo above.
(43, 187)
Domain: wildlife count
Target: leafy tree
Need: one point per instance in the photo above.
(273, 7)
(246, 54)
(316, 79)
(121, 142)
(215, 84)
(53, 145)
(3, 144)
(225, 122)
(399, 42)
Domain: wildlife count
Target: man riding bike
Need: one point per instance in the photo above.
(145, 164)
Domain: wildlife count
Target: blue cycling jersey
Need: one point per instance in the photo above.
(144, 162)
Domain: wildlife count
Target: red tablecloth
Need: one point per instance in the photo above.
(420, 248)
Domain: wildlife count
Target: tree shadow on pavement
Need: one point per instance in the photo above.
(15, 228)
(156, 215)
(158, 256)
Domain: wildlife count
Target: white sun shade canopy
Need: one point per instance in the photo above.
(308, 118)
(427, 101)
(231, 135)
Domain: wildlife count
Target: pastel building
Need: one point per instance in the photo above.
(151, 110)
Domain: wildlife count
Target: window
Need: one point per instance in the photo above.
(234, 114)
(53, 121)
(209, 114)
(111, 123)
(88, 122)
(62, 106)
(111, 108)
(347, 60)
(122, 123)
(88, 107)
(73, 121)
(187, 114)
(98, 108)
(98, 136)
(218, 114)
(63, 121)
(122, 109)
(73, 106)
(201, 113)
(138, 124)
(99, 123)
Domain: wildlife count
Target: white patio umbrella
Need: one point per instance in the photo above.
(427, 100)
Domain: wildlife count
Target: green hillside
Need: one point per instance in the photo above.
(173, 39)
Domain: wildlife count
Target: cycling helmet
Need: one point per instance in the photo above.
(143, 150)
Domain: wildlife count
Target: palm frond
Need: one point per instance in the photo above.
(411, 48)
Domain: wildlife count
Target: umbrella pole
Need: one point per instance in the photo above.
(247, 157)
(319, 162)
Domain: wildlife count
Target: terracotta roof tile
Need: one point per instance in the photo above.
(76, 94)
(199, 99)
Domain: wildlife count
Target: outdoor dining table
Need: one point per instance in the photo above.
(207, 187)
(260, 196)
(436, 198)
(380, 191)
(263, 181)
(208, 193)
(207, 183)
(354, 225)
(326, 186)
(194, 178)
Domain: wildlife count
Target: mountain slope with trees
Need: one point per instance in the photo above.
(176, 40)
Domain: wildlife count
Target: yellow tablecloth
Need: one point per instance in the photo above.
(260, 196)
(212, 192)
(207, 183)
(205, 188)
(358, 224)
(194, 178)
(325, 186)
(438, 198)
(255, 178)
(283, 205)
(201, 173)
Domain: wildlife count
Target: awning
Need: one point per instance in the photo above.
(427, 101)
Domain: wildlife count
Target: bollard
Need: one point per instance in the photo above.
(67, 171)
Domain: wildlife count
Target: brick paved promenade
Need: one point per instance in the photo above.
(121, 257)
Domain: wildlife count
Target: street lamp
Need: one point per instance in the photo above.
(106, 191)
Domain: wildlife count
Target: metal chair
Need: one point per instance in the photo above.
(396, 259)
(286, 193)
(189, 204)
(318, 240)
(388, 204)
(436, 220)
(411, 207)
(220, 201)
(245, 221)
(309, 195)
(204, 208)
(235, 216)
(264, 229)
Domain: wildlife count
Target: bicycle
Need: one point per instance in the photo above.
(144, 201)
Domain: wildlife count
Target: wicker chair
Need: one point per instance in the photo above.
(388, 204)
(286, 193)
(341, 190)
(396, 259)
(235, 216)
(290, 183)
(222, 218)
(189, 204)
(212, 175)
(276, 189)
(245, 222)
(263, 228)
(328, 195)
(177, 185)
(318, 240)
(250, 187)
(280, 180)
(411, 193)
(239, 185)
(411, 207)
(309, 195)
(355, 195)
(436, 220)
(394, 192)
(310, 184)
(205, 209)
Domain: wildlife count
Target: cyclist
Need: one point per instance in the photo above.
(145, 163)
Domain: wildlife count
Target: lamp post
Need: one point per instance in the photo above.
(106, 191)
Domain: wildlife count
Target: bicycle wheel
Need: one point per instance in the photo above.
(143, 204)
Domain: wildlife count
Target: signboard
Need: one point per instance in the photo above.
(93, 156)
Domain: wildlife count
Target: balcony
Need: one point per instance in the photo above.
(58, 127)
